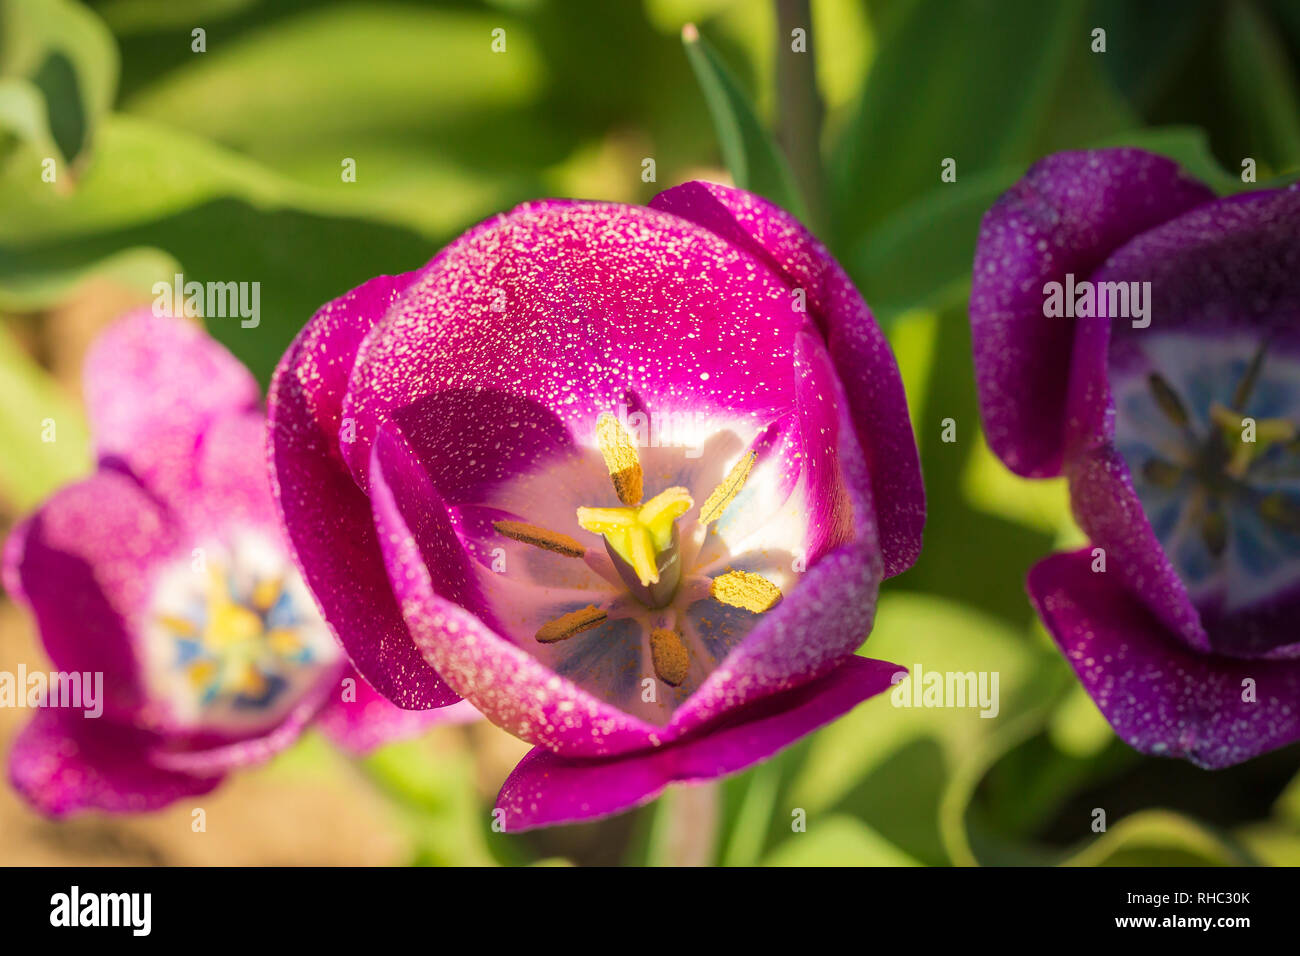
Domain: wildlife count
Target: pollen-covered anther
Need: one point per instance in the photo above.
(725, 493)
(567, 625)
(745, 589)
(669, 656)
(542, 538)
(621, 459)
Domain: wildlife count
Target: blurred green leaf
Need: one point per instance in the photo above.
(1186, 145)
(754, 817)
(838, 840)
(67, 53)
(973, 82)
(432, 780)
(751, 155)
(23, 112)
(1159, 838)
(920, 256)
(43, 435)
(1262, 84)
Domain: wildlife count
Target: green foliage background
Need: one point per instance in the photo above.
(226, 165)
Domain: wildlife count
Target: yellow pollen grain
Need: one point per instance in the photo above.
(620, 458)
(542, 538)
(669, 656)
(744, 589)
(725, 493)
(567, 625)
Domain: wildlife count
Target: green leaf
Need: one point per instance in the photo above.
(1262, 84)
(973, 82)
(1186, 145)
(1159, 838)
(838, 840)
(920, 256)
(43, 434)
(751, 155)
(65, 51)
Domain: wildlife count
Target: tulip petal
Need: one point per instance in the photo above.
(1069, 212)
(507, 684)
(84, 564)
(369, 721)
(858, 348)
(1161, 697)
(62, 762)
(326, 516)
(576, 308)
(152, 386)
(547, 788)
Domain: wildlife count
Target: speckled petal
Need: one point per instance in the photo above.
(547, 788)
(1108, 510)
(84, 564)
(1068, 213)
(62, 763)
(510, 687)
(368, 720)
(326, 516)
(577, 308)
(829, 612)
(233, 488)
(861, 355)
(1161, 697)
(152, 387)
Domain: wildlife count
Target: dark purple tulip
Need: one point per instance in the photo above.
(1171, 403)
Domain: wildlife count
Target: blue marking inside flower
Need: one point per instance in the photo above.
(1208, 428)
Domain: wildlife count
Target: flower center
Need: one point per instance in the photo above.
(650, 556)
(1210, 436)
(233, 638)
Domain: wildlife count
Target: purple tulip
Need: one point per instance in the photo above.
(166, 573)
(626, 478)
(1167, 392)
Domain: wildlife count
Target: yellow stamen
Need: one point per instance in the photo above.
(567, 625)
(265, 593)
(178, 625)
(744, 589)
(540, 538)
(620, 458)
(669, 656)
(725, 493)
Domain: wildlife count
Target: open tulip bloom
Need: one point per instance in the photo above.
(1177, 431)
(166, 572)
(625, 478)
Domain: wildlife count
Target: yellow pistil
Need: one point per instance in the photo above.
(620, 458)
(744, 589)
(669, 656)
(567, 625)
(640, 534)
(540, 538)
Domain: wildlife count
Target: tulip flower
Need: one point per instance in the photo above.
(1167, 392)
(626, 478)
(163, 578)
